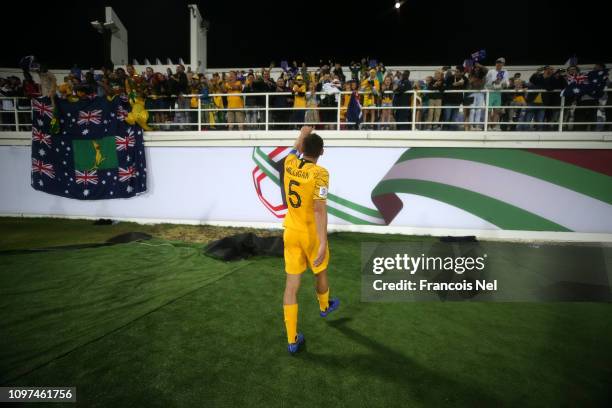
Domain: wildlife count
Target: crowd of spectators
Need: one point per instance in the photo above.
(452, 98)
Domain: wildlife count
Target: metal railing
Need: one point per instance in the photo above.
(176, 113)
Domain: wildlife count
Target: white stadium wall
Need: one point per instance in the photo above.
(494, 193)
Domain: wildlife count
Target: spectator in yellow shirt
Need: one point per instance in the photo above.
(299, 100)
(234, 86)
(370, 87)
(346, 98)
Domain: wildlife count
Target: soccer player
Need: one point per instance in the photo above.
(305, 235)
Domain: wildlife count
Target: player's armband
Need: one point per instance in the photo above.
(321, 185)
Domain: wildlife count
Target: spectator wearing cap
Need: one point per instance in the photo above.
(456, 82)
(298, 91)
(496, 80)
(370, 87)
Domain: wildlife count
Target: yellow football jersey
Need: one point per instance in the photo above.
(299, 101)
(304, 182)
(369, 98)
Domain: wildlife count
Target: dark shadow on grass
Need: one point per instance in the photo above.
(418, 382)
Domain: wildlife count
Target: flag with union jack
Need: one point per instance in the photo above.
(89, 117)
(95, 155)
(591, 84)
(124, 143)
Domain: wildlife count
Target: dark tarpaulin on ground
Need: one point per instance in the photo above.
(242, 246)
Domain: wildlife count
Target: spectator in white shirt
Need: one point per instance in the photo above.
(496, 79)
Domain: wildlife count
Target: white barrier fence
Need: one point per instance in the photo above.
(474, 112)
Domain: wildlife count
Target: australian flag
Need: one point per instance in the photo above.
(591, 84)
(479, 55)
(353, 113)
(95, 156)
(468, 64)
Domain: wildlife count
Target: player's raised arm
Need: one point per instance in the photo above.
(304, 131)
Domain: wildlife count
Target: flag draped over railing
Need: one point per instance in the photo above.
(592, 84)
(95, 155)
(353, 113)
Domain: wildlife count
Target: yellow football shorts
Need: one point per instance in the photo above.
(301, 250)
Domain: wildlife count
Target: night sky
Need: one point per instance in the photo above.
(255, 32)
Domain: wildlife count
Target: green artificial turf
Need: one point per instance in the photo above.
(163, 326)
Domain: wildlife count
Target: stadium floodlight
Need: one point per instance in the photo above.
(111, 26)
(98, 26)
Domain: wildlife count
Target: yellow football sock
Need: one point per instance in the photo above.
(323, 300)
(291, 316)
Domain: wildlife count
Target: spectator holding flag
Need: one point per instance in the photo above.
(495, 80)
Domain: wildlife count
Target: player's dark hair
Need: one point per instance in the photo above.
(313, 145)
